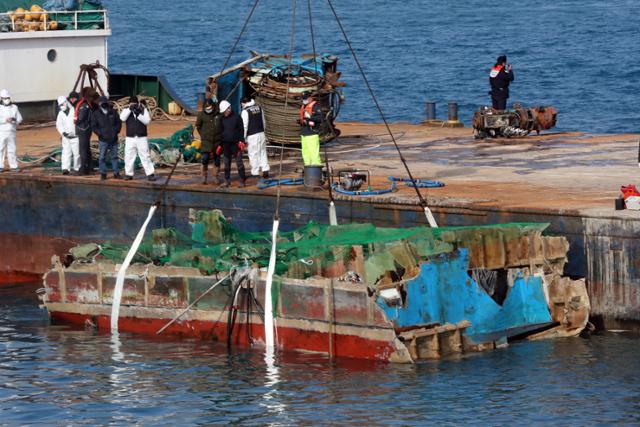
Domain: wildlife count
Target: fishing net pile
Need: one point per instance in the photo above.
(355, 252)
(163, 151)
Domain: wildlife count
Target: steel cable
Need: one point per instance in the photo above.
(423, 202)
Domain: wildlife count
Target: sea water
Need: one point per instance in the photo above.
(578, 56)
(63, 375)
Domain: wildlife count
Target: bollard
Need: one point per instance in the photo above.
(431, 110)
(453, 112)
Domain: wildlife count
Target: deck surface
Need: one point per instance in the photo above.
(554, 172)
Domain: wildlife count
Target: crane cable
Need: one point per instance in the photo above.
(333, 217)
(269, 321)
(423, 202)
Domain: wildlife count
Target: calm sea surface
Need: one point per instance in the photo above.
(57, 375)
(579, 56)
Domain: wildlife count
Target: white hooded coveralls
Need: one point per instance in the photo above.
(256, 144)
(70, 146)
(9, 118)
(138, 145)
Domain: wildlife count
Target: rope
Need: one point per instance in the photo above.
(423, 202)
(235, 44)
(313, 40)
(292, 40)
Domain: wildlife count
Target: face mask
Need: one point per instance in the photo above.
(208, 110)
(64, 108)
(6, 101)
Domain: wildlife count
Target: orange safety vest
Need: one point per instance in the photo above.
(306, 109)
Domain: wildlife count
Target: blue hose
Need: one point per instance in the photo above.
(273, 182)
(337, 189)
(420, 183)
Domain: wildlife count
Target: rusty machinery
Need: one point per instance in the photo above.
(517, 122)
(88, 75)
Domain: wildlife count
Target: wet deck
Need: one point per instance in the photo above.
(565, 172)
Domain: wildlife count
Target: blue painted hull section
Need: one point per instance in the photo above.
(444, 293)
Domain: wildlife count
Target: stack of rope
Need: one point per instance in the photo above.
(157, 113)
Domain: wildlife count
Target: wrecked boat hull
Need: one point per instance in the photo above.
(439, 312)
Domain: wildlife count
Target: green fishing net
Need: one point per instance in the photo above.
(312, 250)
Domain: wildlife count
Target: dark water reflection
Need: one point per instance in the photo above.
(53, 374)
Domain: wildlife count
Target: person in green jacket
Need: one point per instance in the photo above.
(209, 126)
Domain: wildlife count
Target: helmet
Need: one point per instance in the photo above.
(224, 106)
(501, 59)
(5, 94)
(133, 99)
(61, 100)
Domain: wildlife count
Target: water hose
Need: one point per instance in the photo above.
(420, 183)
(274, 182)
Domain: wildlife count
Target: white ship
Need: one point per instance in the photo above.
(41, 52)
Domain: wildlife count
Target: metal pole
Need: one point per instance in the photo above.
(192, 304)
(431, 110)
(453, 111)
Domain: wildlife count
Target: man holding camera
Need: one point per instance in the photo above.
(500, 77)
(137, 117)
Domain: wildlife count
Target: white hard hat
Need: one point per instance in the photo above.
(224, 106)
(5, 94)
(61, 100)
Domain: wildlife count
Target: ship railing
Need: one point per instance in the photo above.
(55, 21)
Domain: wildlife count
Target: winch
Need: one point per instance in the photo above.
(516, 122)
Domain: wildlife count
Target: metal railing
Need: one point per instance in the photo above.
(53, 20)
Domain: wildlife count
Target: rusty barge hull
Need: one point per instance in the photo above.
(45, 215)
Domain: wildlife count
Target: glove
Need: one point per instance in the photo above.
(65, 134)
(311, 123)
(219, 150)
(241, 145)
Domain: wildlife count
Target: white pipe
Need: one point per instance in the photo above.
(333, 216)
(430, 218)
(268, 302)
(117, 292)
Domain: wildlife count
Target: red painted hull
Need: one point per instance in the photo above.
(347, 346)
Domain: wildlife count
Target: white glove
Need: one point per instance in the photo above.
(307, 115)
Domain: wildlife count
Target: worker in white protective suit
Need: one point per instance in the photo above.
(137, 117)
(67, 130)
(253, 120)
(10, 118)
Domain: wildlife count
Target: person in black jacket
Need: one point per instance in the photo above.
(82, 119)
(232, 143)
(500, 77)
(106, 124)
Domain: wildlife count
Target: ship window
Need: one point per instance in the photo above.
(51, 55)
